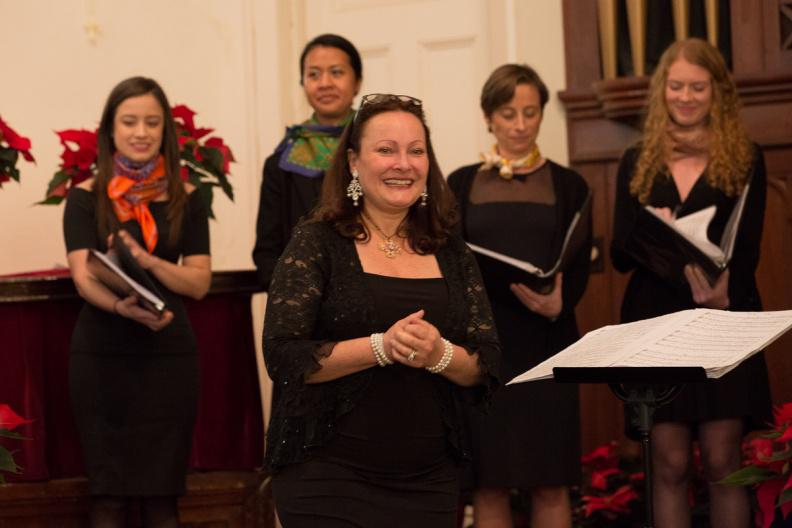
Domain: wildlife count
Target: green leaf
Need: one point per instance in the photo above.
(226, 186)
(9, 155)
(52, 200)
(747, 476)
(12, 434)
(206, 196)
(7, 461)
(785, 496)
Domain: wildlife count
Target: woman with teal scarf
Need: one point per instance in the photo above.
(330, 73)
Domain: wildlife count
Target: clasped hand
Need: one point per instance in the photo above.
(414, 342)
(547, 305)
(129, 307)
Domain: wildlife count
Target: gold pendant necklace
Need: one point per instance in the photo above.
(387, 246)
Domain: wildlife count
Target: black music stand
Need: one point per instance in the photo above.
(643, 389)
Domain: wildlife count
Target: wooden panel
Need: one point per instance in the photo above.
(746, 21)
(774, 268)
(581, 44)
(216, 499)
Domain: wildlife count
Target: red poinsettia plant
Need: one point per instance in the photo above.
(11, 146)
(9, 420)
(767, 468)
(205, 160)
(612, 491)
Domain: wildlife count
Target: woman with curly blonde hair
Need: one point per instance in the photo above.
(695, 154)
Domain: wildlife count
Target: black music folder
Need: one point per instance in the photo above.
(120, 272)
(666, 247)
(510, 270)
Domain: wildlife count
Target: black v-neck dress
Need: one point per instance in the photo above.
(744, 392)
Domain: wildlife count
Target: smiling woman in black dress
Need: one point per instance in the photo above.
(133, 375)
(694, 154)
(377, 331)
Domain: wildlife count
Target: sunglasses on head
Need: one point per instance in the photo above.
(375, 99)
(384, 98)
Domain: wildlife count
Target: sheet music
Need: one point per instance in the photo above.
(597, 348)
(714, 339)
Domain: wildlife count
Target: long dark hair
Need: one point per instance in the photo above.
(425, 227)
(134, 87)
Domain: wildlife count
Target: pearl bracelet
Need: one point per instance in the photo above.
(448, 353)
(378, 348)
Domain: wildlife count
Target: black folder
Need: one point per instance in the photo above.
(119, 271)
(664, 250)
(504, 269)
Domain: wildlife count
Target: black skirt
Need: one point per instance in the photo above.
(326, 494)
(135, 416)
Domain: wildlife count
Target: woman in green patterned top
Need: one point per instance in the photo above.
(331, 73)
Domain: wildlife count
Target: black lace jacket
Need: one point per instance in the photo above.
(318, 297)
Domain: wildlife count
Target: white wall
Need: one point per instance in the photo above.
(224, 58)
(218, 57)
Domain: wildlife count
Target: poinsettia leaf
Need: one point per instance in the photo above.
(59, 178)
(227, 189)
(51, 200)
(786, 454)
(213, 160)
(747, 476)
(766, 495)
(7, 461)
(206, 195)
(785, 497)
(11, 434)
(772, 435)
(9, 155)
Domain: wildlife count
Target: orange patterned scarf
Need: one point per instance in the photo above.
(132, 188)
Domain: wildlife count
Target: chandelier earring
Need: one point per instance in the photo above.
(424, 198)
(354, 190)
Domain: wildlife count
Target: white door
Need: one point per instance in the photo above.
(440, 51)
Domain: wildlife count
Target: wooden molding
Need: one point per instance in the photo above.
(625, 98)
(59, 286)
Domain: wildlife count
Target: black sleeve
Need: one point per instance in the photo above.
(293, 304)
(745, 258)
(195, 227)
(625, 213)
(269, 223)
(481, 335)
(577, 275)
(79, 221)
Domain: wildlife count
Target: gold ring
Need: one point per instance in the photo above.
(412, 355)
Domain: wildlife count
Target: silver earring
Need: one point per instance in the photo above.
(354, 190)
(424, 198)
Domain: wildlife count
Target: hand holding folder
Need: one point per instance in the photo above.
(120, 272)
(666, 246)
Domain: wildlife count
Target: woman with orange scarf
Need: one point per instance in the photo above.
(695, 154)
(133, 374)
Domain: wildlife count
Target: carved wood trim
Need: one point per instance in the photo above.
(626, 97)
